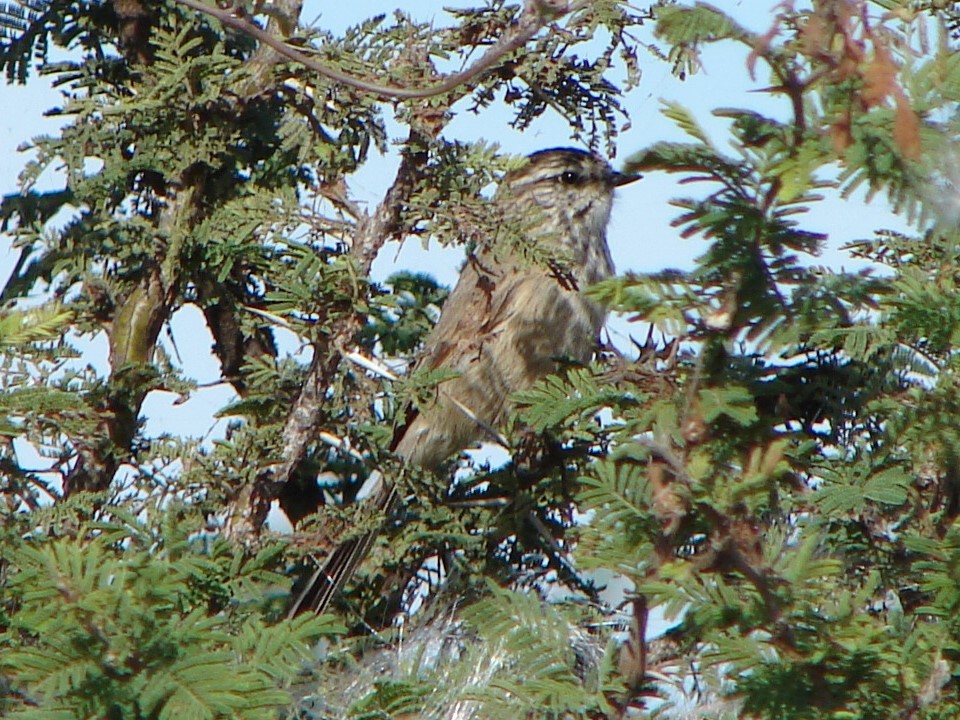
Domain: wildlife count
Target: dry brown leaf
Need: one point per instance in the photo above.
(879, 79)
(906, 128)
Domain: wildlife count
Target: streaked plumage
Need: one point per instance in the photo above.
(507, 322)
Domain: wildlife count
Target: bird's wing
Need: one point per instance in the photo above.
(463, 326)
(472, 314)
(468, 314)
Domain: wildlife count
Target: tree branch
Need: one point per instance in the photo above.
(306, 414)
(536, 15)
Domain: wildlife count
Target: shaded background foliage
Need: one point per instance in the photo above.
(776, 472)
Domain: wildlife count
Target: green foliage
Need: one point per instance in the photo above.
(32, 326)
(776, 474)
(403, 316)
(564, 402)
(139, 618)
(540, 672)
(200, 169)
(775, 518)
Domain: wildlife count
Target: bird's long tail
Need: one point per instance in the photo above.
(410, 444)
(330, 579)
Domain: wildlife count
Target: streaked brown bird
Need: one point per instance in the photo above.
(509, 322)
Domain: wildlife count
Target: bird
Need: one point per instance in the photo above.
(510, 321)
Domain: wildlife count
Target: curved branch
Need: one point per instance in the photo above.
(536, 15)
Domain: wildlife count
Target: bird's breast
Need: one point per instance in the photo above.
(546, 325)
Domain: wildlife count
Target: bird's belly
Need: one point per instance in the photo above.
(549, 326)
(546, 326)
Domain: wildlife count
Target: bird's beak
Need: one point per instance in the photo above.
(619, 178)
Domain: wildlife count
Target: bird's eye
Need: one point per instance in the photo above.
(569, 177)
